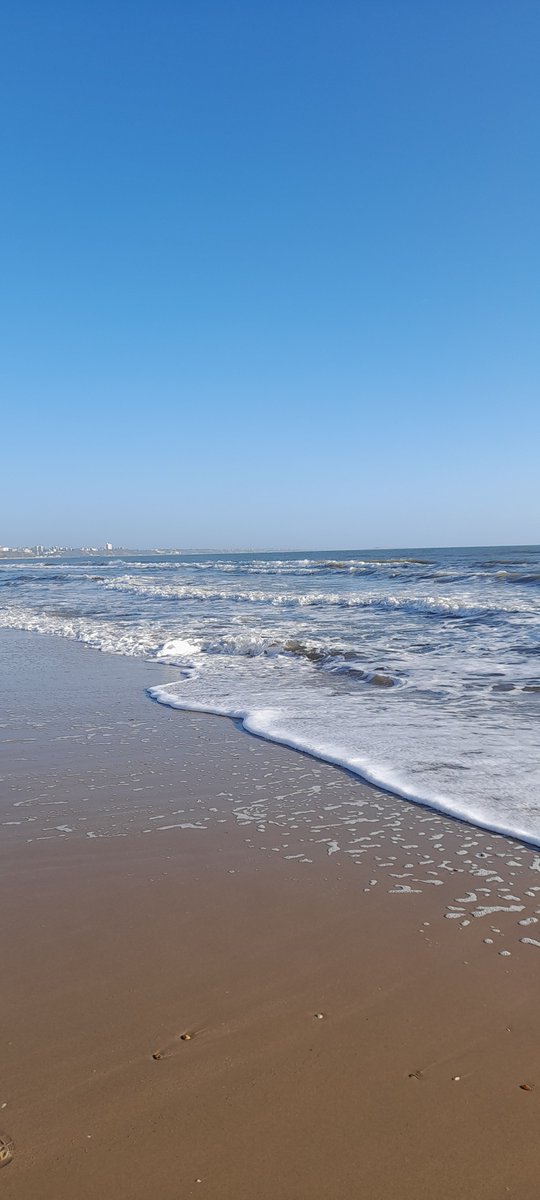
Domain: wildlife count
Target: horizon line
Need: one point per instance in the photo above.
(17, 551)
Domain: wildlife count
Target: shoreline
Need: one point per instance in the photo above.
(241, 722)
(417, 674)
(166, 875)
(106, 672)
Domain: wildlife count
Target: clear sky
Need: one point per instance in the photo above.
(270, 272)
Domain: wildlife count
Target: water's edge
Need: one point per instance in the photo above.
(244, 722)
(416, 672)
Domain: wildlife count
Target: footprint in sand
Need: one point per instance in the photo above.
(7, 1149)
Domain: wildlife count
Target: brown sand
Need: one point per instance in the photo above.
(115, 945)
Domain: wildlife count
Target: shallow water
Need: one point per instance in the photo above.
(420, 670)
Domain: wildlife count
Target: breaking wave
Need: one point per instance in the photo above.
(430, 605)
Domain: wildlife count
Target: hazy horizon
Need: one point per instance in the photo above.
(273, 549)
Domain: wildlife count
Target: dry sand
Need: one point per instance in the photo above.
(256, 911)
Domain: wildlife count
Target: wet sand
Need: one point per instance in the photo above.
(163, 873)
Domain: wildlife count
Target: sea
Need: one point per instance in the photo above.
(418, 670)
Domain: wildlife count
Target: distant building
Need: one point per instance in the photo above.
(108, 545)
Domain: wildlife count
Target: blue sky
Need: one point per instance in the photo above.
(270, 273)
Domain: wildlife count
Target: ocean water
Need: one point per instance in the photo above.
(419, 670)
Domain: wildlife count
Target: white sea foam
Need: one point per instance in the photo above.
(464, 605)
(101, 635)
(492, 791)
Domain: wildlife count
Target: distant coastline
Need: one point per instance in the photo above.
(109, 551)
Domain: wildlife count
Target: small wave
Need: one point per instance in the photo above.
(99, 634)
(527, 577)
(424, 605)
(288, 567)
(339, 662)
(28, 577)
(276, 724)
(149, 642)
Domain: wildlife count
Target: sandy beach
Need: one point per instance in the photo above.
(270, 601)
(358, 976)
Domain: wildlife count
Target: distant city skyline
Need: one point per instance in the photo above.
(39, 551)
(270, 275)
